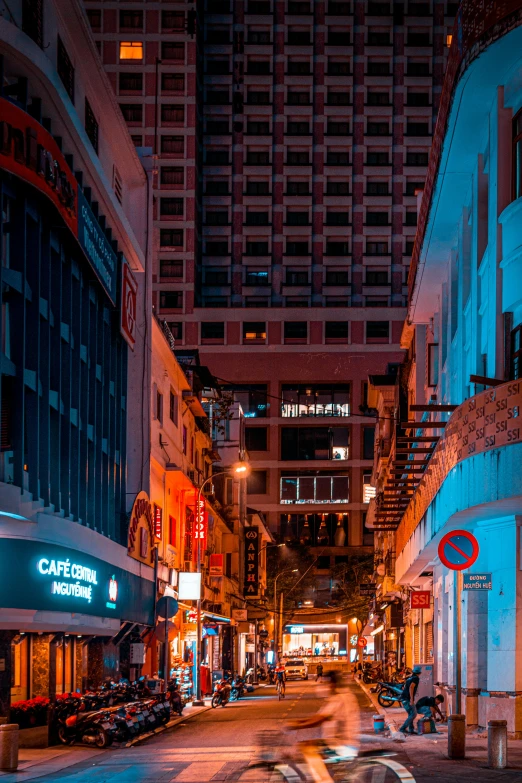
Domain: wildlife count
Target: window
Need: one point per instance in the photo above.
(91, 125)
(257, 248)
(368, 442)
(216, 187)
(376, 277)
(314, 443)
(298, 158)
(259, 7)
(336, 330)
(176, 329)
(433, 360)
(131, 81)
(132, 112)
(216, 276)
(173, 20)
(335, 158)
(336, 68)
(410, 218)
(65, 69)
(378, 128)
(337, 277)
(137, 140)
(256, 277)
(172, 82)
(297, 248)
(32, 20)
(185, 438)
(417, 129)
(259, 36)
(298, 67)
(257, 219)
(217, 157)
(417, 68)
(172, 113)
(258, 67)
(418, 99)
(254, 330)
(377, 218)
(171, 267)
(172, 145)
(338, 37)
(374, 98)
(299, 38)
(215, 218)
(296, 277)
(315, 487)
(217, 127)
(295, 330)
(131, 20)
(256, 98)
(297, 219)
(377, 189)
(257, 482)
(218, 37)
(171, 300)
(339, 8)
(337, 248)
(297, 128)
(408, 247)
(377, 249)
(172, 175)
(217, 67)
(252, 398)
(299, 7)
(171, 207)
(131, 50)
(369, 491)
(258, 158)
(378, 68)
(216, 248)
(377, 331)
(336, 128)
(294, 188)
(172, 51)
(416, 158)
(257, 128)
(216, 301)
(378, 38)
(517, 155)
(375, 158)
(257, 188)
(413, 187)
(418, 38)
(159, 406)
(218, 97)
(378, 9)
(335, 188)
(256, 438)
(171, 237)
(418, 9)
(94, 16)
(211, 330)
(337, 218)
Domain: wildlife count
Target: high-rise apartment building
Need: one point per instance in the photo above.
(292, 139)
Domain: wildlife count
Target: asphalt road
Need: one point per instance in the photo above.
(215, 746)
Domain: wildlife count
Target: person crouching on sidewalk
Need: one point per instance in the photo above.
(408, 700)
(428, 706)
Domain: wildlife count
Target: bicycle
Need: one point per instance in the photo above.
(372, 766)
(280, 687)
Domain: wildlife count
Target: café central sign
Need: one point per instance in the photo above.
(83, 578)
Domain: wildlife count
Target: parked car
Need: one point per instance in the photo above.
(295, 667)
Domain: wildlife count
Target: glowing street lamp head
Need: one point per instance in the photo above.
(241, 469)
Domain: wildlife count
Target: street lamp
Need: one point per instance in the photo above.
(286, 571)
(241, 470)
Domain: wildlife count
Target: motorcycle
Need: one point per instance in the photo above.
(221, 695)
(93, 728)
(175, 699)
(238, 688)
(389, 694)
(261, 675)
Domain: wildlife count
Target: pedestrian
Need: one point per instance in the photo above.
(408, 700)
(319, 672)
(428, 706)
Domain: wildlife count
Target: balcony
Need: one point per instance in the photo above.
(311, 490)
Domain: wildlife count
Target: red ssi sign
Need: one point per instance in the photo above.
(420, 599)
(200, 526)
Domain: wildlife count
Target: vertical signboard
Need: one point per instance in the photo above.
(251, 586)
(129, 304)
(200, 526)
(97, 248)
(158, 522)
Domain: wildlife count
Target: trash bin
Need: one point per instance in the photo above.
(9, 746)
(378, 723)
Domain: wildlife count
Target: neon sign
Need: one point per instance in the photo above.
(200, 528)
(113, 593)
(68, 570)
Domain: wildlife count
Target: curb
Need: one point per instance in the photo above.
(380, 710)
(170, 725)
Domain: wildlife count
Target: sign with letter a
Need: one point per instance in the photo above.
(251, 586)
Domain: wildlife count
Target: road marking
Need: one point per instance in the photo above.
(198, 771)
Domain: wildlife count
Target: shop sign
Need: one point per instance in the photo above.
(141, 529)
(251, 586)
(200, 525)
(44, 577)
(240, 615)
(97, 247)
(129, 305)
(477, 582)
(420, 599)
(158, 522)
(30, 152)
(367, 589)
(189, 586)
(137, 653)
(216, 565)
(296, 629)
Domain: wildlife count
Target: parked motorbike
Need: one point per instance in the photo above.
(261, 675)
(389, 694)
(174, 696)
(92, 728)
(238, 688)
(221, 695)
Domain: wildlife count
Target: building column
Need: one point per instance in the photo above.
(474, 652)
(6, 638)
(43, 666)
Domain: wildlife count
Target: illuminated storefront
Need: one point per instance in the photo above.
(315, 641)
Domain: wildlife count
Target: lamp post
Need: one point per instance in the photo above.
(286, 571)
(240, 469)
(255, 682)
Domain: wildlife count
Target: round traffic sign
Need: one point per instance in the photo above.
(458, 550)
(166, 607)
(361, 641)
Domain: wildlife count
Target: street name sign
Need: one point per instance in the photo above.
(458, 550)
(477, 582)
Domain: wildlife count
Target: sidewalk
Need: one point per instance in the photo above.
(37, 762)
(429, 752)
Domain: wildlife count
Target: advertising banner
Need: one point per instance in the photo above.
(216, 565)
(251, 585)
(97, 247)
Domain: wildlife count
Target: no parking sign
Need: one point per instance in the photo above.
(458, 550)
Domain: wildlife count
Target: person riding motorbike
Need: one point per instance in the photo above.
(339, 718)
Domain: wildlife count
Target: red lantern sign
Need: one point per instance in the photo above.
(420, 599)
(200, 526)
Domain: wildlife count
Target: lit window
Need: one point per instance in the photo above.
(369, 491)
(131, 50)
(449, 39)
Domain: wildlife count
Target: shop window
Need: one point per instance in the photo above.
(256, 438)
(65, 69)
(257, 482)
(368, 442)
(377, 331)
(213, 330)
(173, 407)
(131, 50)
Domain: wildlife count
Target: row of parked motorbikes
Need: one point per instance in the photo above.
(231, 688)
(114, 713)
(388, 692)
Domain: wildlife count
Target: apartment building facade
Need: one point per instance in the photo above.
(291, 140)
